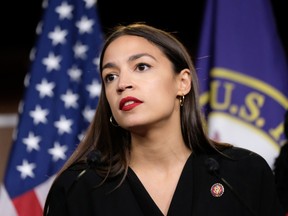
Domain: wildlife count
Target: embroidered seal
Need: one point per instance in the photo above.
(217, 190)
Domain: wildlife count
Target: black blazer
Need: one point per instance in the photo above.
(281, 176)
(247, 173)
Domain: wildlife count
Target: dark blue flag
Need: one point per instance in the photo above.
(243, 75)
(61, 94)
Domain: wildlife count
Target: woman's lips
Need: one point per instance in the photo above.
(128, 103)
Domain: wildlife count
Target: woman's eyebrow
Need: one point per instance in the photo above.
(130, 59)
(137, 56)
(108, 65)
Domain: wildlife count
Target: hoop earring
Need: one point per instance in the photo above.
(113, 123)
(181, 100)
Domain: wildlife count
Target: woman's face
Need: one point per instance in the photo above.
(141, 86)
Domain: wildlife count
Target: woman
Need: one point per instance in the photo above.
(147, 152)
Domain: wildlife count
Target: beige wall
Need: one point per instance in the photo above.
(5, 145)
(8, 114)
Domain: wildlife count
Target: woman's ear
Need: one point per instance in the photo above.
(184, 82)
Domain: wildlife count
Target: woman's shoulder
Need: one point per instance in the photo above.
(75, 173)
(245, 158)
(73, 170)
(235, 152)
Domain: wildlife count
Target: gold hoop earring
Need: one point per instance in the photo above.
(181, 100)
(113, 123)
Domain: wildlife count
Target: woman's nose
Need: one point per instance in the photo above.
(124, 82)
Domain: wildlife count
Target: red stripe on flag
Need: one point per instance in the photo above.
(28, 204)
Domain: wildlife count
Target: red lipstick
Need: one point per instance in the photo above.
(128, 103)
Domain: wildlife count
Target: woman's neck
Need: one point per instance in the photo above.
(164, 150)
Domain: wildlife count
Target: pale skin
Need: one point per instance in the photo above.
(132, 66)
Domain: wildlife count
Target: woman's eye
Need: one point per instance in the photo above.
(142, 67)
(110, 78)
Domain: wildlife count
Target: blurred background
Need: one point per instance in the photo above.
(19, 21)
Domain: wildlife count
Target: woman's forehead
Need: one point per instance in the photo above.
(130, 41)
(130, 45)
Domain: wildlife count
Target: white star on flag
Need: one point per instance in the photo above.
(96, 61)
(75, 73)
(32, 142)
(26, 169)
(64, 11)
(52, 62)
(89, 3)
(39, 115)
(45, 88)
(70, 99)
(80, 50)
(39, 28)
(94, 89)
(58, 36)
(58, 151)
(63, 125)
(85, 25)
(88, 113)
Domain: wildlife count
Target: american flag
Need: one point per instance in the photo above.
(61, 94)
